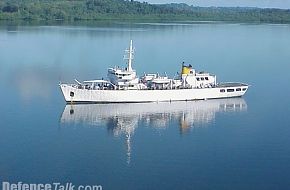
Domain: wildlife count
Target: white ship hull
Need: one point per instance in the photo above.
(73, 94)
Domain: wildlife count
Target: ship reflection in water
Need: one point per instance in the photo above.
(123, 119)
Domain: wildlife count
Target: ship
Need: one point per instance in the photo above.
(124, 86)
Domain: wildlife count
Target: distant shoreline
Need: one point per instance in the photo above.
(119, 10)
(11, 24)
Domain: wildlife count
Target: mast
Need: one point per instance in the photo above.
(130, 56)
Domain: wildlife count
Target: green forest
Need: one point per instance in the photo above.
(74, 10)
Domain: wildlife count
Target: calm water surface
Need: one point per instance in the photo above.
(241, 143)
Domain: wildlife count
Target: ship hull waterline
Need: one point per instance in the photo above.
(78, 96)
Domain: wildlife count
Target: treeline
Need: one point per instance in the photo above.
(72, 10)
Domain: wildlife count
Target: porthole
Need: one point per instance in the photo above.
(72, 94)
(222, 90)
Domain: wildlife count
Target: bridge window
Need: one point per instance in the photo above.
(244, 89)
(202, 78)
(230, 90)
(206, 78)
(222, 90)
(238, 89)
(198, 79)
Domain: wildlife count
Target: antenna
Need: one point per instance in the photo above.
(130, 56)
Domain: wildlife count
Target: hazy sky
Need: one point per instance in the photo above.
(285, 4)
